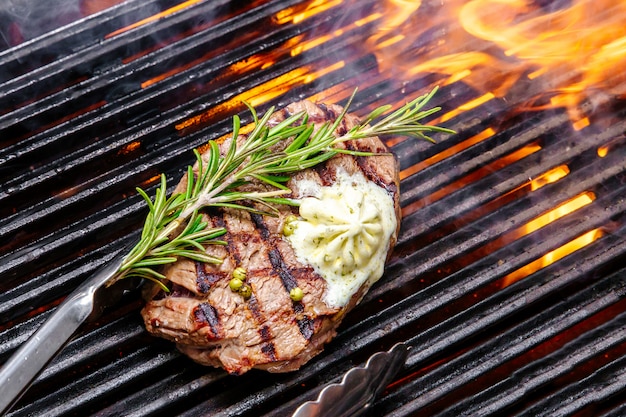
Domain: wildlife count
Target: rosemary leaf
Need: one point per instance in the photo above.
(173, 227)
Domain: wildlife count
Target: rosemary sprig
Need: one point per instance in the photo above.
(173, 227)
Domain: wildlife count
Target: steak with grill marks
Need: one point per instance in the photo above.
(216, 326)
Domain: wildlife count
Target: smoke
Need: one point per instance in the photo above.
(22, 20)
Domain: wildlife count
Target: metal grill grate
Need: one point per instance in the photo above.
(503, 316)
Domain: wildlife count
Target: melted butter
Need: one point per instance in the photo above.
(344, 233)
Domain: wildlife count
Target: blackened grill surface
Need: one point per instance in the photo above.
(83, 121)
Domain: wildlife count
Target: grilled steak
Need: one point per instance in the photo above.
(217, 326)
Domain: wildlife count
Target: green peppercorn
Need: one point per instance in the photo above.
(235, 284)
(245, 291)
(296, 294)
(288, 229)
(290, 225)
(239, 273)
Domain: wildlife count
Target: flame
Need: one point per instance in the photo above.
(549, 177)
(472, 177)
(559, 212)
(294, 46)
(155, 179)
(260, 94)
(556, 213)
(449, 151)
(153, 18)
(466, 106)
(130, 147)
(396, 14)
(582, 123)
(545, 219)
(572, 50)
(296, 15)
(553, 256)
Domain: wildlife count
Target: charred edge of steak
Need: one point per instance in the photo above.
(175, 291)
(180, 291)
(331, 115)
(206, 315)
(327, 176)
(367, 169)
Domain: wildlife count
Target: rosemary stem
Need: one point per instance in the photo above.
(252, 162)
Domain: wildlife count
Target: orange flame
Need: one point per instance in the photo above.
(295, 14)
(553, 256)
(449, 151)
(153, 18)
(473, 176)
(573, 51)
(259, 94)
(558, 212)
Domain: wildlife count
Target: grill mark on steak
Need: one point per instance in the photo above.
(305, 324)
(269, 350)
(264, 331)
(261, 227)
(205, 314)
(328, 113)
(289, 282)
(205, 280)
(276, 259)
(253, 306)
(231, 247)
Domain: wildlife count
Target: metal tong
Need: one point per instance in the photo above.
(86, 303)
(359, 387)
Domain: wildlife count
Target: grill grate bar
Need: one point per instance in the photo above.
(22, 298)
(73, 37)
(105, 382)
(507, 179)
(429, 259)
(84, 158)
(477, 338)
(101, 55)
(602, 386)
(98, 87)
(465, 369)
(540, 373)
